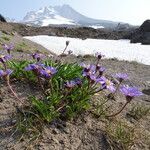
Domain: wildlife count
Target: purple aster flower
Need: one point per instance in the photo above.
(4, 58)
(99, 55)
(70, 84)
(47, 72)
(36, 68)
(121, 76)
(89, 70)
(130, 92)
(8, 47)
(5, 73)
(106, 84)
(37, 56)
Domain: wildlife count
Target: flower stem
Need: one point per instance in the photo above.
(8, 83)
(40, 83)
(5, 67)
(97, 61)
(113, 115)
(65, 49)
(117, 88)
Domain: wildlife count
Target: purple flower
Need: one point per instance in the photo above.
(8, 47)
(106, 84)
(5, 73)
(92, 78)
(36, 68)
(99, 55)
(37, 56)
(130, 92)
(121, 76)
(47, 72)
(4, 58)
(70, 84)
(89, 70)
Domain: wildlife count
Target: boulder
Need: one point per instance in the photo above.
(145, 27)
(2, 19)
(142, 34)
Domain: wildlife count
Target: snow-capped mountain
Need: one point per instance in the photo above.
(63, 15)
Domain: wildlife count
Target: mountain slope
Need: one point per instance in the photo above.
(63, 15)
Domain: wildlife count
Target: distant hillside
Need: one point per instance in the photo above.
(76, 32)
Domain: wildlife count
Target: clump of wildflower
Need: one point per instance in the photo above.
(130, 92)
(48, 72)
(8, 48)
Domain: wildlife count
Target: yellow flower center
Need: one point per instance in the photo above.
(2, 56)
(48, 71)
(108, 83)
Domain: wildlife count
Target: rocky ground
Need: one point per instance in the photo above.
(88, 131)
(78, 32)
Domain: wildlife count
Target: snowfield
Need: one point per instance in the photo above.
(120, 49)
(57, 20)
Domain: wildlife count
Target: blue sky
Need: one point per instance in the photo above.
(131, 11)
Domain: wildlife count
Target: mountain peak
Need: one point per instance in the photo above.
(63, 15)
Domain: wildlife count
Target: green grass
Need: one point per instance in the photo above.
(139, 111)
(6, 38)
(120, 135)
(21, 47)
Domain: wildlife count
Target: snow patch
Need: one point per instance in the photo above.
(96, 27)
(57, 20)
(121, 49)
